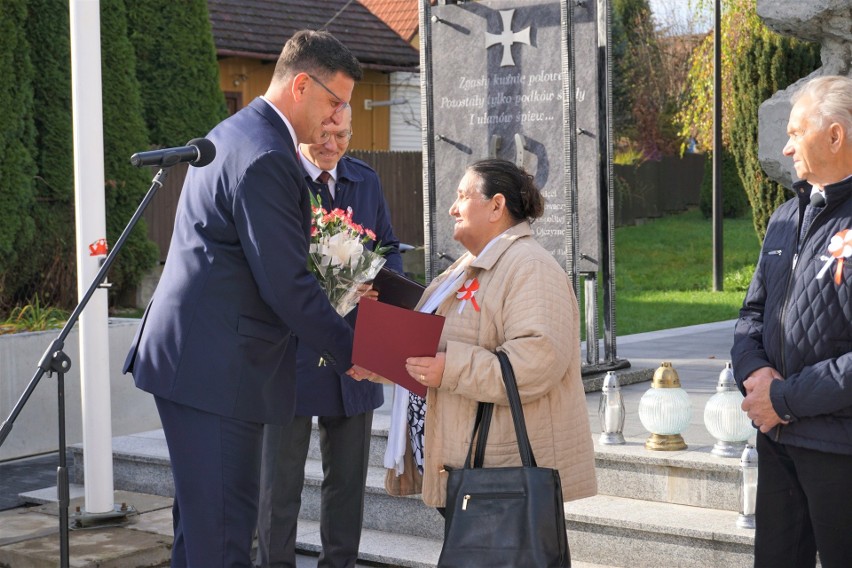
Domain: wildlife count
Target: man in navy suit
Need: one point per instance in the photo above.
(343, 406)
(217, 344)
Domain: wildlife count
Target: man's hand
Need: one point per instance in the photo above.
(360, 373)
(367, 291)
(757, 403)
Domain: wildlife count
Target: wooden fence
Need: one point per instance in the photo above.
(400, 173)
(654, 189)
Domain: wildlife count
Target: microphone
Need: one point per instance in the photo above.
(817, 199)
(198, 152)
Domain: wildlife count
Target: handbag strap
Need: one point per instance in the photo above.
(487, 411)
(484, 411)
(482, 422)
(527, 457)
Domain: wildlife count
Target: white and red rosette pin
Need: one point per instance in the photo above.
(467, 291)
(98, 248)
(840, 248)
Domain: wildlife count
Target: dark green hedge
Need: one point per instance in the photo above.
(176, 68)
(179, 99)
(771, 63)
(49, 267)
(734, 199)
(17, 144)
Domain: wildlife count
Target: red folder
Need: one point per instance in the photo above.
(386, 335)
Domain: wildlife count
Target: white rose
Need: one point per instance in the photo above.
(343, 249)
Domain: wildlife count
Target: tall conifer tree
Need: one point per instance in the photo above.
(17, 143)
(177, 69)
(50, 265)
(124, 134)
(772, 63)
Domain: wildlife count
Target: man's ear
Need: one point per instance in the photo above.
(300, 83)
(837, 136)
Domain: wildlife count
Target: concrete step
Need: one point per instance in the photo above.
(140, 464)
(617, 531)
(381, 547)
(400, 515)
(390, 549)
(693, 477)
(378, 442)
(686, 515)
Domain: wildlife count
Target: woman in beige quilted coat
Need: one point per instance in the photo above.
(508, 293)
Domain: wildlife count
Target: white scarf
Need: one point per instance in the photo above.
(398, 430)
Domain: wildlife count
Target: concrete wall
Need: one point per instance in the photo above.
(35, 431)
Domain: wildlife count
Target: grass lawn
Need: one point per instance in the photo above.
(664, 272)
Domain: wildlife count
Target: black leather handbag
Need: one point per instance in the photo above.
(504, 516)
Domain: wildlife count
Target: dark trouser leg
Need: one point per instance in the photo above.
(215, 463)
(285, 449)
(784, 537)
(827, 482)
(345, 444)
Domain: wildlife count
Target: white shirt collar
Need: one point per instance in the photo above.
(286, 122)
(313, 170)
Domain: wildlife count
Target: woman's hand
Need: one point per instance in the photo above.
(428, 371)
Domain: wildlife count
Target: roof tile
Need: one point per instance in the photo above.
(402, 16)
(260, 28)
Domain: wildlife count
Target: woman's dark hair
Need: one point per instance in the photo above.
(523, 198)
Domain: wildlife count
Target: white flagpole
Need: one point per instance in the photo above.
(91, 226)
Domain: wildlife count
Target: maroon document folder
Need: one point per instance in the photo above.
(386, 335)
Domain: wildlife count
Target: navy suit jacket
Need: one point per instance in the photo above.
(220, 333)
(324, 391)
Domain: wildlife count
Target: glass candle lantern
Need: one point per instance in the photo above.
(748, 489)
(665, 410)
(611, 411)
(725, 419)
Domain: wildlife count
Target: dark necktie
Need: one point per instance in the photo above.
(811, 211)
(325, 192)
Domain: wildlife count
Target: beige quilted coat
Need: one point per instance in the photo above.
(528, 309)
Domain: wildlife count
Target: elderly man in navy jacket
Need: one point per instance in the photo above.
(344, 407)
(217, 345)
(792, 351)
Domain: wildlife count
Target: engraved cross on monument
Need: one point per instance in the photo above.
(507, 38)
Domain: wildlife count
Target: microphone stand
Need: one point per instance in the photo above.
(55, 360)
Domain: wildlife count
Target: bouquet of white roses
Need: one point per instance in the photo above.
(338, 258)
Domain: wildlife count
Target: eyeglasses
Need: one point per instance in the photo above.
(341, 137)
(341, 105)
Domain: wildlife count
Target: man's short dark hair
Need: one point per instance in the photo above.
(318, 53)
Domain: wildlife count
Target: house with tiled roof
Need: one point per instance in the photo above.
(402, 16)
(249, 35)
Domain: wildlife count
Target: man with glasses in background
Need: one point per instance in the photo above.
(217, 345)
(343, 407)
